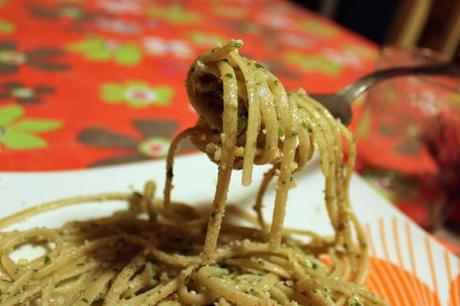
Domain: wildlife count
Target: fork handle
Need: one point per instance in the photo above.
(357, 88)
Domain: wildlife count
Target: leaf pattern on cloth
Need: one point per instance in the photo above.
(206, 39)
(17, 133)
(6, 27)
(137, 94)
(99, 49)
(152, 142)
(175, 14)
(319, 29)
(121, 6)
(76, 17)
(230, 11)
(158, 46)
(43, 58)
(314, 63)
(62, 54)
(23, 94)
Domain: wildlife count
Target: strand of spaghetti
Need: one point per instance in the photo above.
(253, 105)
(218, 54)
(208, 276)
(95, 288)
(270, 124)
(285, 178)
(153, 296)
(228, 138)
(170, 164)
(27, 213)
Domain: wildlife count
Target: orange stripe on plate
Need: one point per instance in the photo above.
(390, 290)
(373, 280)
(391, 272)
(431, 264)
(385, 289)
(383, 239)
(396, 240)
(369, 238)
(411, 248)
(413, 263)
(455, 287)
(408, 282)
(450, 280)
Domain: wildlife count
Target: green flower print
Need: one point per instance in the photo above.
(361, 51)
(174, 14)
(100, 49)
(6, 27)
(454, 99)
(18, 133)
(206, 39)
(314, 63)
(136, 94)
(318, 28)
(237, 12)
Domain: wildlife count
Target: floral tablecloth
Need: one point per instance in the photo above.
(92, 83)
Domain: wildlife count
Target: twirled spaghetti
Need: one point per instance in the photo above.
(164, 253)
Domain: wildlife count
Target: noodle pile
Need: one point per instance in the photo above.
(160, 252)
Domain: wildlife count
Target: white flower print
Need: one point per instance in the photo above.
(346, 59)
(121, 6)
(159, 46)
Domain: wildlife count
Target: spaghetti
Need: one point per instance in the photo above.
(164, 253)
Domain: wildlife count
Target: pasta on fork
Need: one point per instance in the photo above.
(160, 252)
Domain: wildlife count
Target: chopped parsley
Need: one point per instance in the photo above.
(260, 66)
(153, 268)
(136, 194)
(356, 303)
(228, 75)
(280, 131)
(80, 264)
(305, 125)
(237, 43)
(47, 259)
(85, 300)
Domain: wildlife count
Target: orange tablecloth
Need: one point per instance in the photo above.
(90, 83)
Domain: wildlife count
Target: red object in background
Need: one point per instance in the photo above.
(409, 140)
(443, 138)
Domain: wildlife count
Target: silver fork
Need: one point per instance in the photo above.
(339, 103)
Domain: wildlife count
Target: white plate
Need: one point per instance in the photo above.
(410, 268)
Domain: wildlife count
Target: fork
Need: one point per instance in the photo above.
(339, 103)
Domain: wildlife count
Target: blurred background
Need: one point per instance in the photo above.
(433, 24)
